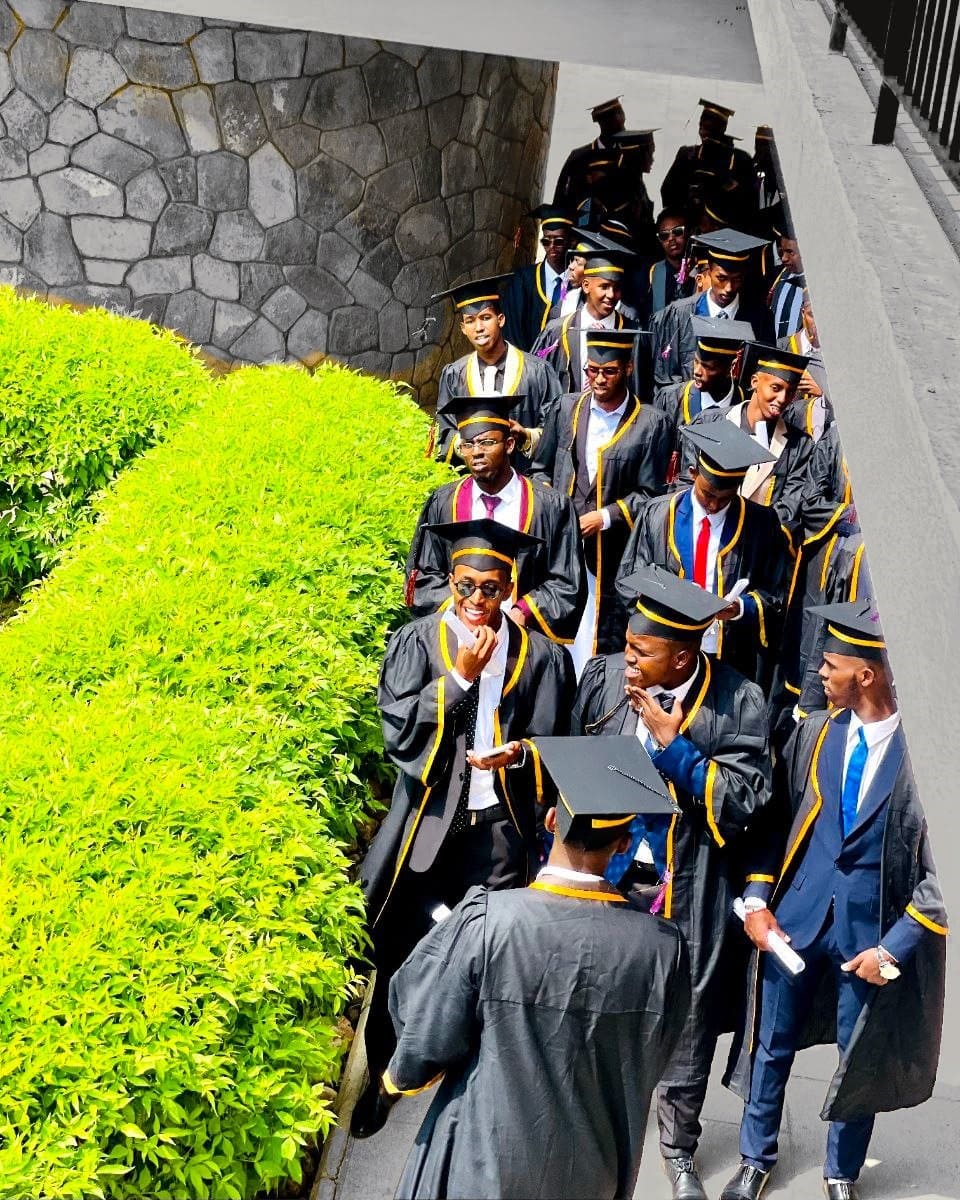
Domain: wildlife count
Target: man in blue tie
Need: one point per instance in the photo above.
(858, 899)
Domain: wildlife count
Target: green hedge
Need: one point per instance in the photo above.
(189, 714)
(80, 395)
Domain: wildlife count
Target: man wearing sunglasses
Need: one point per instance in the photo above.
(533, 291)
(608, 452)
(550, 588)
(455, 686)
(665, 283)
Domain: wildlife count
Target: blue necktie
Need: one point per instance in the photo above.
(557, 292)
(851, 783)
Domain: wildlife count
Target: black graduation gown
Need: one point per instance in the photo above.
(787, 479)
(682, 403)
(559, 345)
(523, 373)
(737, 185)
(675, 344)
(633, 466)
(418, 698)
(891, 1061)
(546, 1074)
(752, 547)
(526, 305)
(719, 773)
(550, 577)
(571, 182)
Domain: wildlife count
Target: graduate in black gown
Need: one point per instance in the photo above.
(706, 729)
(709, 534)
(493, 367)
(733, 260)
(531, 292)
(608, 452)
(462, 680)
(774, 376)
(550, 588)
(546, 1014)
(571, 183)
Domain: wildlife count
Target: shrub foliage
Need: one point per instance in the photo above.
(188, 706)
(81, 394)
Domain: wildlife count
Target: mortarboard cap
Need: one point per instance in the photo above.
(483, 544)
(729, 247)
(602, 783)
(618, 232)
(720, 339)
(481, 413)
(634, 139)
(473, 296)
(586, 240)
(725, 452)
(548, 215)
(718, 110)
(764, 133)
(770, 360)
(852, 629)
(607, 264)
(613, 345)
(668, 606)
(608, 106)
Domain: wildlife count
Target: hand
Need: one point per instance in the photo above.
(517, 615)
(759, 925)
(730, 613)
(808, 385)
(866, 966)
(507, 757)
(663, 726)
(591, 523)
(518, 431)
(472, 659)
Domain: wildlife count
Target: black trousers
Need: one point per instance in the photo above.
(491, 854)
(680, 1098)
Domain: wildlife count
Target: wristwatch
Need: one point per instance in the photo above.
(887, 964)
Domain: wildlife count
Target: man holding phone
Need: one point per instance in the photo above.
(459, 693)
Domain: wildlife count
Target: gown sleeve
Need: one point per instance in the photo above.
(557, 602)
(428, 559)
(434, 999)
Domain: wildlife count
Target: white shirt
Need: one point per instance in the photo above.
(807, 347)
(588, 321)
(679, 695)
(570, 302)
(710, 638)
(482, 793)
(877, 735)
(507, 511)
(714, 309)
(600, 429)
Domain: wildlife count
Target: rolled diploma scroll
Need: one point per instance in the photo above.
(786, 956)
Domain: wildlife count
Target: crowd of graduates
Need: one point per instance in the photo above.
(643, 717)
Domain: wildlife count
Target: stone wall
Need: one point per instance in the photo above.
(271, 194)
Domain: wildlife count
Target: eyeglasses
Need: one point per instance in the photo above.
(607, 372)
(676, 231)
(466, 587)
(480, 444)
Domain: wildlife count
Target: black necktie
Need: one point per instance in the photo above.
(470, 708)
(666, 701)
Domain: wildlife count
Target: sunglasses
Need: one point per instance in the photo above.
(676, 231)
(553, 241)
(466, 587)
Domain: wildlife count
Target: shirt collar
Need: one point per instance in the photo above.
(609, 414)
(876, 731)
(587, 321)
(680, 691)
(713, 309)
(509, 491)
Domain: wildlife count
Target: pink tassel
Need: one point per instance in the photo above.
(661, 895)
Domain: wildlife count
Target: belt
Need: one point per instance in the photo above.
(484, 816)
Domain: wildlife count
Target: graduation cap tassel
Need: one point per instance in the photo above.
(410, 588)
(547, 350)
(673, 468)
(431, 441)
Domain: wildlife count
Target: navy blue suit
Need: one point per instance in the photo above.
(831, 911)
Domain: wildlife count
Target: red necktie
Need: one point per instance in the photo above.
(700, 554)
(490, 504)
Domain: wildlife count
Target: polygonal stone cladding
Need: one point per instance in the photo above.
(272, 194)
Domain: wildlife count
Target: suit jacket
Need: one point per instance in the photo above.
(675, 344)
(422, 709)
(752, 547)
(550, 578)
(526, 305)
(891, 1061)
(632, 468)
(559, 346)
(523, 373)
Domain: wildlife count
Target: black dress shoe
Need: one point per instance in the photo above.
(747, 1184)
(840, 1189)
(685, 1179)
(371, 1111)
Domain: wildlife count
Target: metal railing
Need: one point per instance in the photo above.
(915, 44)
